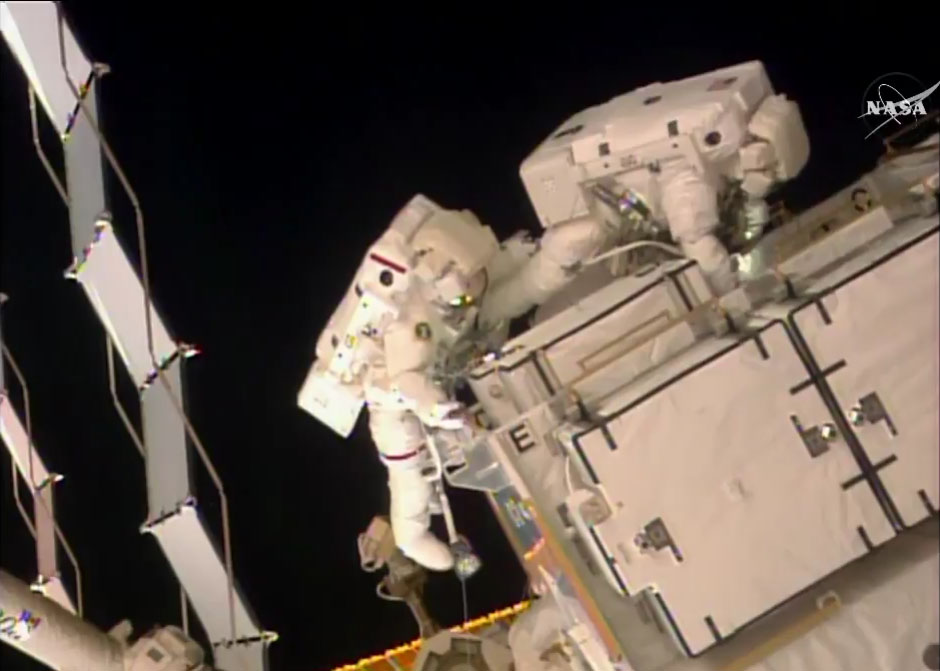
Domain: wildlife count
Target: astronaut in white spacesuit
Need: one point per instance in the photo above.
(434, 277)
(757, 154)
(460, 261)
(665, 156)
(438, 274)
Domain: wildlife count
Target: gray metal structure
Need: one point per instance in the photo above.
(28, 465)
(66, 81)
(51, 634)
(682, 465)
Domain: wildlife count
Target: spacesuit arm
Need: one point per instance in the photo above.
(561, 251)
(690, 204)
(409, 354)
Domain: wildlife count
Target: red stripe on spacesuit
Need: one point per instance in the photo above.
(386, 262)
(402, 457)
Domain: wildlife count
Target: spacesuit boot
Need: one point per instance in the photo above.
(410, 516)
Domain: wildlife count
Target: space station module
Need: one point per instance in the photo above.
(437, 283)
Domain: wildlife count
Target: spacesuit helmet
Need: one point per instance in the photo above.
(453, 249)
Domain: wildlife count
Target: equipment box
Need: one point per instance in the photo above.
(595, 347)
(872, 335)
(726, 488)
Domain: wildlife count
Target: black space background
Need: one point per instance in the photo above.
(268, 147)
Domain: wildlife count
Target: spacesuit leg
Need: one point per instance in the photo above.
(691, 208)
(561, 249)
(400, 441)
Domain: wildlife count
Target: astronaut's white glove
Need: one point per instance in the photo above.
(448, 415)
(428, 401)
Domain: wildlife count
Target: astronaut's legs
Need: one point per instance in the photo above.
(410, 516)
(400, 439)
(691, 208)
(561, 250)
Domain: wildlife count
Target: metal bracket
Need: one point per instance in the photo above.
(656, 536)
(815, 438)
(870, 410)
(148, 527)
(264, 637)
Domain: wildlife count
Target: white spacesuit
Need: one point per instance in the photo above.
(434, 277)
(437, 275)
(664, 154)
